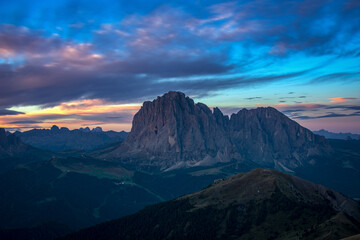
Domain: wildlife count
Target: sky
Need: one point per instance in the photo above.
(93, 63)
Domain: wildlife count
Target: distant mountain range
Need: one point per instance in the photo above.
(261, 204)
(174, 132)
(13, 151)
(332, 135)
(63, 139)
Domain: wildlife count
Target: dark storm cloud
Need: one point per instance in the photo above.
(4, 112)
(252, 98)
(318, 111)
(22, 128)
(25, 122)
(344, 107)
(330, 115)
(315, 107)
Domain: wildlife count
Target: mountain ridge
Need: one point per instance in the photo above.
(63, 139)
(14, 151)
(340, 135)
(172, 131)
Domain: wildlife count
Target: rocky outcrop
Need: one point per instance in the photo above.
(266, 136)
(172, 131)
(10, 145)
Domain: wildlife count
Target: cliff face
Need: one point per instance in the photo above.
(173, 131)
(267, 136)
(10, 145)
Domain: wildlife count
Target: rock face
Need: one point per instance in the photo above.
(10, 145)
(13, 152)
(172, 131)
(267, 136)
(261, 204)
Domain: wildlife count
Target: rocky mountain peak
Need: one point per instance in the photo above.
(172, 131)
(55, 128)
(97, 129)
(11, 145)
(176, 132)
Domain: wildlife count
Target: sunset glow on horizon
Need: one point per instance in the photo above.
(73, 115)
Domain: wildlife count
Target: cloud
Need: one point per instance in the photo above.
(75, 114)
(330, 115)
(252, 98)
(25, 122)
(341, 99)
(22, 128)
(23, 41)
(311, 111)
(342, 76)
(344, 107)
(301, 107)
(4, 112)
(286, 108)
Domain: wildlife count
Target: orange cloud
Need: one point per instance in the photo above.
(284, 106)
(340, 99)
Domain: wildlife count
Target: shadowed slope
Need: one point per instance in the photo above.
(261, 204)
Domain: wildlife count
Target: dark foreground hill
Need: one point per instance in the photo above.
(51, 198)
(261, 204)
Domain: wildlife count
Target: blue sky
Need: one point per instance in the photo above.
(95, 57)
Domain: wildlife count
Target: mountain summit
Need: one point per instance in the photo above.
(10, 145)
(172, 131)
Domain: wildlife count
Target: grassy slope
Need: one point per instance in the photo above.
(234, 209)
